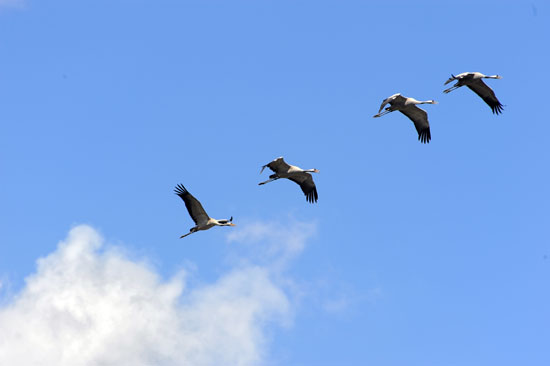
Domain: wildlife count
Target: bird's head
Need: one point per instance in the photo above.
(226, 222)
(316, 171)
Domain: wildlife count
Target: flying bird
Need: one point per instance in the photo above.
(197, 213)
(295, 174)
(408, 107)
(474, 81)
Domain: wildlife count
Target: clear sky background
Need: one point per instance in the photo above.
(415, 254)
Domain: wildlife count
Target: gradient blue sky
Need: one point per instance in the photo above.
(433, 254)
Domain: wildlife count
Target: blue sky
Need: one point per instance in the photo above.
(415, 254)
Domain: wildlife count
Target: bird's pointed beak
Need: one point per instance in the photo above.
(232, 224)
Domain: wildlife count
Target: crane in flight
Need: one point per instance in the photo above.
(408, 107)
(197, 212)
(474, 81)
(295, 174)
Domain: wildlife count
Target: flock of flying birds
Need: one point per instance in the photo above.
(397, 102)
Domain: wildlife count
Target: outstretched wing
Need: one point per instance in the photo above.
(384, 102)
(420, 120)
(396, 97)
(460, 77)
(194, 207)
(450, 79)
(278, 166)
(487, 94)
(305, 180)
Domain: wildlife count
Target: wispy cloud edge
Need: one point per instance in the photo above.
(88, 305)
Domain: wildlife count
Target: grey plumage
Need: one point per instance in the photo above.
(474, 81)
(295, 174)
(197, 212)
(408, 107)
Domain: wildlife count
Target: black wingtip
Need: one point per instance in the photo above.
(180, 190)
(312, 196)
(497, 108)
(425, 136)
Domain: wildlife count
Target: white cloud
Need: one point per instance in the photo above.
(337, 304)
(274, 243)
(86, 305)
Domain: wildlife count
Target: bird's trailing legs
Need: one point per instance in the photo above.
(193, 230)
(269, 180)
(383, 113)
(450, 89)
